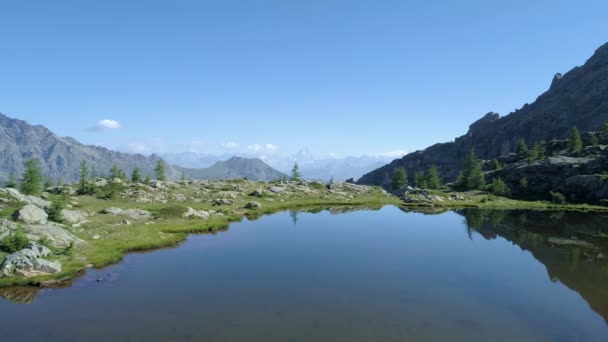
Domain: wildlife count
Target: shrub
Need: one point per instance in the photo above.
(557, 198)
(14, 242)
(173, 211)
(54, 211)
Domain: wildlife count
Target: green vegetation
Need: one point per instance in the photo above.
(296, 176)
(136, 176)
(54, 211)
(575, 143)
(604, 128)
(31, 182)
(471, 177)
(399, 178)
(557, 198)
(499, 187)
(522, 147)
(536, 153)
(14, 242)
(84, 174)
(496, 165)
(433, 179)
(11, 182)
(161, 174)
(116, 172)
(420, 180)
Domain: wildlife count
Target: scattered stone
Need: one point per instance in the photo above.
(180, 198)
(253, 205)
(6, 227)
(96, 237)
(32, 214)
(276, 189)
(112, 211)
(137, 214)
(125, 222)
(190, 213)
(258, 192)
(222, 201)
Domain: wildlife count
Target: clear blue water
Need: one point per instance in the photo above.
(383, 275)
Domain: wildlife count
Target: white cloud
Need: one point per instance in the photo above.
(393, 154)
(262, 148)
(231, 145)
(102, 125)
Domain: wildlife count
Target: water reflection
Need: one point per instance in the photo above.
(571, 245)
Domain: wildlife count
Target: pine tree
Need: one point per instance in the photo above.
(594, 141)
(136, 176)
(575, 143)
(160, 171)
(471, 177)
(147, 180)
(31, 182)
(420, 180)
(535, 153)
(295, 173)
(84, 174)
(604, 128)
(433, 180)
(11, 182)
(499, 187)
(522, 147)
(116, 172)
(399, 178)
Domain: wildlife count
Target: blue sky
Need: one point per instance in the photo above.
(345, 77)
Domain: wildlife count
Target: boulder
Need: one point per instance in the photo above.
(253, 205)
(276, 189)
(112, 211)
(180, 198)
(74, 216)
(28, 199)
(32, 214)
(190, 213)
(222, 201)
(29, 262)
(6, 227)
(54, 233)
(258, 192)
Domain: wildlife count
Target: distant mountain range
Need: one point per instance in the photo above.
(312, 166)
(235, 168)
(60, 157)
(577, 98)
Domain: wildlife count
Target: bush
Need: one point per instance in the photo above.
(54, 211)
(14, 242)
(173, 211)
(557, 198)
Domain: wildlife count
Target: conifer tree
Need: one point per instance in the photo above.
(420, 180)
(11, 182)
(160, 171)
(575, 143)
(399, 178)
(522, 147)
(84, 174)
(31, 181)
(296, 176)
(136, 176)
(433, 180)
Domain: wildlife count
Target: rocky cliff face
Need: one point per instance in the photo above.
(577, 98)
(60, 157)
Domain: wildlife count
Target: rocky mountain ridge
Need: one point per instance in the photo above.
(576, 98)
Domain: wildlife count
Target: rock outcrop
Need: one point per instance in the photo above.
(577, 98)
(29, 262)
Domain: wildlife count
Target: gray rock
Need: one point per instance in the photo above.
(191, 213)
(137, 214)
(55, 233)
(32, 214)
(28, 199)
(180, 198)
(112, 211)
(253, 205)
(29, 262)
(276, 189)
(74, 216)
(222, 201)
(6, 227)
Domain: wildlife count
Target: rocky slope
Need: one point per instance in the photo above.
(60, 157)
(235, 168)
(577, 98)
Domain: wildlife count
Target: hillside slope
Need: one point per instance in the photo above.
(60, 157)
(577, 98)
